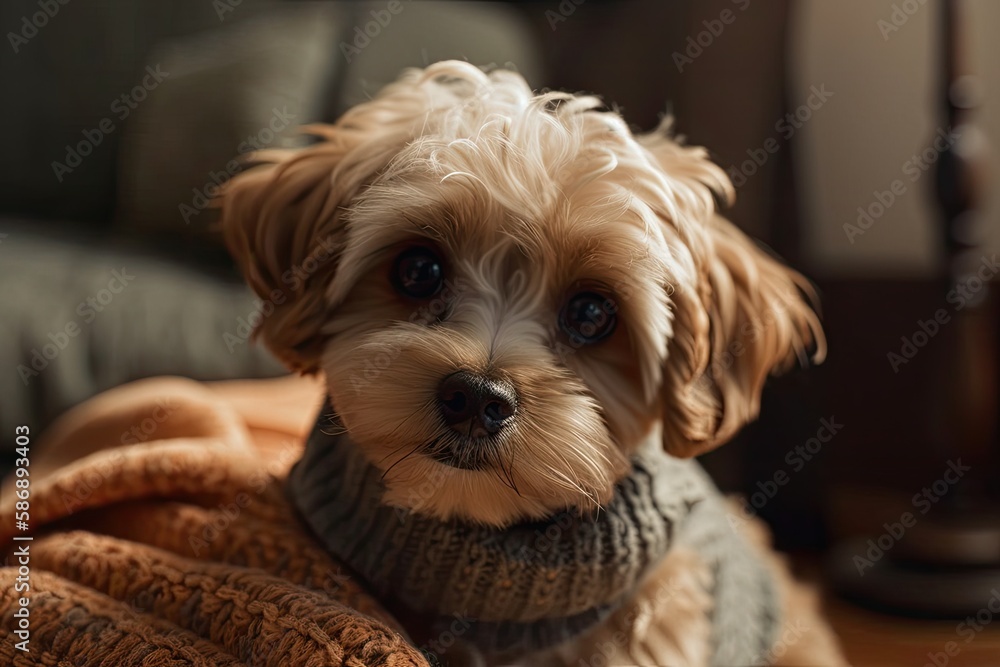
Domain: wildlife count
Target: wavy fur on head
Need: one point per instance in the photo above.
(527, 198)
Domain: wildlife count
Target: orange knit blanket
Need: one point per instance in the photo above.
(162, 536)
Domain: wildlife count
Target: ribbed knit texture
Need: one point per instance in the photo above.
(182, 551)
(532, 585)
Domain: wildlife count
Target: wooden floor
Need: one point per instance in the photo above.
(871, 639)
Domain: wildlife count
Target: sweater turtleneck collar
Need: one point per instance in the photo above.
(522, 588)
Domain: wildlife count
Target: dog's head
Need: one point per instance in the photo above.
(509, 292)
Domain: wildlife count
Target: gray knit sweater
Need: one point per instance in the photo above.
(534, 585)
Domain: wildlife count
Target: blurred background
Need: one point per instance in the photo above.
(832, 119)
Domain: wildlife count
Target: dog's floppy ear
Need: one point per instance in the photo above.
(282, 221)
(739, 314)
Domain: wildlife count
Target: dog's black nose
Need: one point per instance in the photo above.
(474, 405)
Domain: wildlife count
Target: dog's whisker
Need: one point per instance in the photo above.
(393, 453)
(413, 414)
(509, 471)
(395, 429)
(411, 453)
(336, 425)
(501, 475)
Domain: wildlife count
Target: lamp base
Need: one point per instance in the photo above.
(942, 567)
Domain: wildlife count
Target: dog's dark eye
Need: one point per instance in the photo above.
(418, 273)
(589, 317)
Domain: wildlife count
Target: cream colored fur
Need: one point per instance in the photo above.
(528, 198)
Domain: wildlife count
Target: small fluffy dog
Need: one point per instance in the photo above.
(513, 300)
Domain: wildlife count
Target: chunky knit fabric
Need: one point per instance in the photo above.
(183, 550)
(534, 585)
